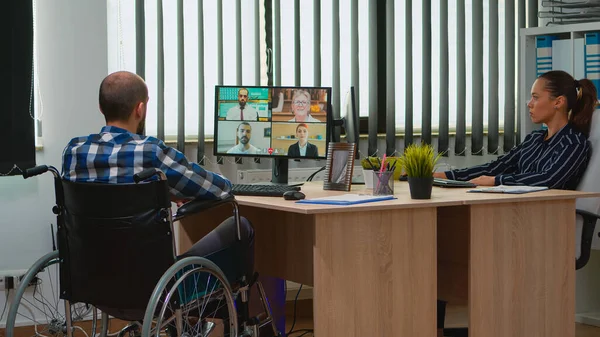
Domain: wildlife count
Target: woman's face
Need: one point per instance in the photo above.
(302, 134)
(542, 106)
(301, 105)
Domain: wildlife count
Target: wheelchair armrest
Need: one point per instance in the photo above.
(587, 233)
(199, 205)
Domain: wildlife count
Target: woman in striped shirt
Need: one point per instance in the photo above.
(556, 157)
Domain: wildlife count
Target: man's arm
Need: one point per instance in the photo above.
(189, 179)
(251, 110)
(232, 114)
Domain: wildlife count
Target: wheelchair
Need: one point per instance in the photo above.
(116, 255)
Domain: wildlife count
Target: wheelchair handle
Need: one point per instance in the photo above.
(40, 169)
(34, 171)
(147, 173)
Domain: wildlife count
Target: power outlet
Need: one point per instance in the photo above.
(10, 282)
(10, 279)
(7, 283)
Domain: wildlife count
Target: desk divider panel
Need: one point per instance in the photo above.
(375, 273)
(521, 266)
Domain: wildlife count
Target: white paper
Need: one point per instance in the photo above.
(510, 189)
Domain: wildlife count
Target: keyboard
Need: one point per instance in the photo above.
(262, 190)
(451, 183)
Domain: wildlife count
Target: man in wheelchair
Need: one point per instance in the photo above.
(119, 151)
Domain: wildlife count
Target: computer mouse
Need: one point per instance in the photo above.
(293, 195)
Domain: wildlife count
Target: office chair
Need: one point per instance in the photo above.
(116, 252)
(588, 209)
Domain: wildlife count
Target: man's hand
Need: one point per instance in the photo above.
(441, 175)
(484, 181)
(179, 201)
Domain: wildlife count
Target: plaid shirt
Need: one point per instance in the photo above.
(115, 155)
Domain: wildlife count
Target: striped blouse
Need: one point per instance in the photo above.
(558, 162)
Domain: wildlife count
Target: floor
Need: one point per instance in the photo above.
(581, 330)
(455, 316)
(304, 323)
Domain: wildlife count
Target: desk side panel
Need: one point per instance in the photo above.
(375, 273)
(522, 270)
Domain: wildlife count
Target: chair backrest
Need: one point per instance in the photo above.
(115, 242)
(590, 183)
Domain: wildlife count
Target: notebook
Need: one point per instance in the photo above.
(509, 189)
(346, 199)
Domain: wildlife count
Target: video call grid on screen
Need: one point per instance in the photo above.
(274, 121)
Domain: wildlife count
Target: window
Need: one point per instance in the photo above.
(122, 54)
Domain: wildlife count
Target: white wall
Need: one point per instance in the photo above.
(72, 58)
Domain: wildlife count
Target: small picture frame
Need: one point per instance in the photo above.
(339, 167)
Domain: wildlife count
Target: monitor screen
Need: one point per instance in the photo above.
(276, 122)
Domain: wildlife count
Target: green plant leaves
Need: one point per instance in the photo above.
(419, 160)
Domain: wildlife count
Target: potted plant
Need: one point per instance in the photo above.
(418, 162)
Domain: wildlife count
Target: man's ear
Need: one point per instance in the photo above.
(139, 110)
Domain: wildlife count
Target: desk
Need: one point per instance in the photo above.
(375, 267)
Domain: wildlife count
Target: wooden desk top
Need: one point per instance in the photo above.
(439, 197)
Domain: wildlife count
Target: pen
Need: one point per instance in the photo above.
(381, 169)
(393, 165)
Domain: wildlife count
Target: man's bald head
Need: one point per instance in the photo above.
(120, 93)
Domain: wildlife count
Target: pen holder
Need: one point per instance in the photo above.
(368, 175)
(383, 183)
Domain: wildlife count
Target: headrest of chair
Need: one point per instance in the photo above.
(594, 137)
(113, 200)
(590, 182)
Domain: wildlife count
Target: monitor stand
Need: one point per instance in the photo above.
(279, 175)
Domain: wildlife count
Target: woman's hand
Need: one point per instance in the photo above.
(441, 175)
(484, 181)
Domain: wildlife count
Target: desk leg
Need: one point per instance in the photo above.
(522, 270)
(375, 273)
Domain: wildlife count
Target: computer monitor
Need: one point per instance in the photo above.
(273, 122)
(351, 119)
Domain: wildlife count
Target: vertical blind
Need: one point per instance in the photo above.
(183, 49)
(453, 74)
(16, 87)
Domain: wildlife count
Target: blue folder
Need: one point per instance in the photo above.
(592, 58)
(346, 199)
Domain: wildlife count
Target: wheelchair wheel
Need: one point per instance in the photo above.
(37, 303)
(193, 298)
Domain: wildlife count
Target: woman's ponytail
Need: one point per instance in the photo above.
(585, 104)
